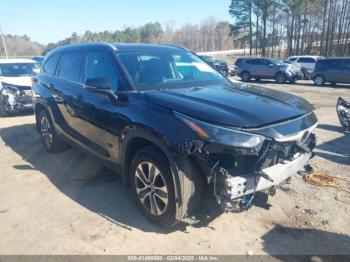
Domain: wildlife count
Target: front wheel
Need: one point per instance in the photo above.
(281, 78)
(3, 111)
(245, 76)
(153, 187)
(319, 80)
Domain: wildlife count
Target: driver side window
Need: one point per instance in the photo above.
(98, 65)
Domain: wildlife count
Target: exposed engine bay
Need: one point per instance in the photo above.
(235, 174)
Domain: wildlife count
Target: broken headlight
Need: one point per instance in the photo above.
(10, 90)
(223, 135)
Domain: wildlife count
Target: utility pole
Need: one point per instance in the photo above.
(4, 43)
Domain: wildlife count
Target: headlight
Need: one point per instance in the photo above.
(222, 135)
(10, 89)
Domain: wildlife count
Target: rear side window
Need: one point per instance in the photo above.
(51, 64)
(98, 65)
(253, 62)
(306, 60)
(70, 66)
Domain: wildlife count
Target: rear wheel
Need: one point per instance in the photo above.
(281, 78)
(319, 80)
(245, 76)
(152, 186)
(49, 137)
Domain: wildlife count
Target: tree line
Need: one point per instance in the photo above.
(209, 35)
(273, 28)
(291, 27)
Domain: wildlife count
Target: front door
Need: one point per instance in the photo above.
(101, 115)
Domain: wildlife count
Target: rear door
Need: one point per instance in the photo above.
(66, 89)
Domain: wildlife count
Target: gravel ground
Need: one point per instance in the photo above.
(69, 204)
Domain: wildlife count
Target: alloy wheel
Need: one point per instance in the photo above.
(151, 188)
(46, 131)
(319, 81)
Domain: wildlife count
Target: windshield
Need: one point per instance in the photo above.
(164, 69)
(18, 69)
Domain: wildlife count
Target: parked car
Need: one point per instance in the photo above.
(220, 65)
(172, 126)
(332, 70)
(343, 111)
(38, 59)
(307, 64)
(15, 85)
(266, 68)
(234, 67)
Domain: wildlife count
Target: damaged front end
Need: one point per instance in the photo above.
(238, 163)
(15, 98)
(343, 111)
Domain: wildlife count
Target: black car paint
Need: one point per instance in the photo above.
(105, 123)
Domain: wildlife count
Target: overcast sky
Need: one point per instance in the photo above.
(47, 21)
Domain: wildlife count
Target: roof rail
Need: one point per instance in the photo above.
(178, 46)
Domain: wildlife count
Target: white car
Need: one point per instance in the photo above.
(307, 63)
(15, 84)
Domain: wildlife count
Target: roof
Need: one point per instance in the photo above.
(135, 47)
(115, 47)
(15, 60)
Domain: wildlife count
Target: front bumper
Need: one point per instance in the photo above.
(15, 104)
(241, 186)
(295, 77)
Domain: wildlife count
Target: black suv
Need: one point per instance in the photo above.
(220, 65)
(332, 70)
(172, 127)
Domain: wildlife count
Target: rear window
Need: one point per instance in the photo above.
(253, 62)
(70, 66)
(51, 64)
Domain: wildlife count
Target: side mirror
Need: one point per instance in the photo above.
(98, 83)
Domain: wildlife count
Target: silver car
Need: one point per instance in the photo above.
(266, 68)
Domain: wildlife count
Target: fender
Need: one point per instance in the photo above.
(152, 137)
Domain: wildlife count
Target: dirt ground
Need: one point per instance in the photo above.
(69, 204)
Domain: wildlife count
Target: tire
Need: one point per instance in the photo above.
(281, 78)
(319, 80)
(154, 194)
(49, 137)
(245, 76)
(3, 112)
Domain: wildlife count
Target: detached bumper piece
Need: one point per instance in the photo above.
(233, 192)
(273, 168)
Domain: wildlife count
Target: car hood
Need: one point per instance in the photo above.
(23, 81)
(237, 105)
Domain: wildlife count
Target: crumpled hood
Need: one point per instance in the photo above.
(238, 105)
(24, 81)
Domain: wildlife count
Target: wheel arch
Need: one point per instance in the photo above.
(137, 138)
